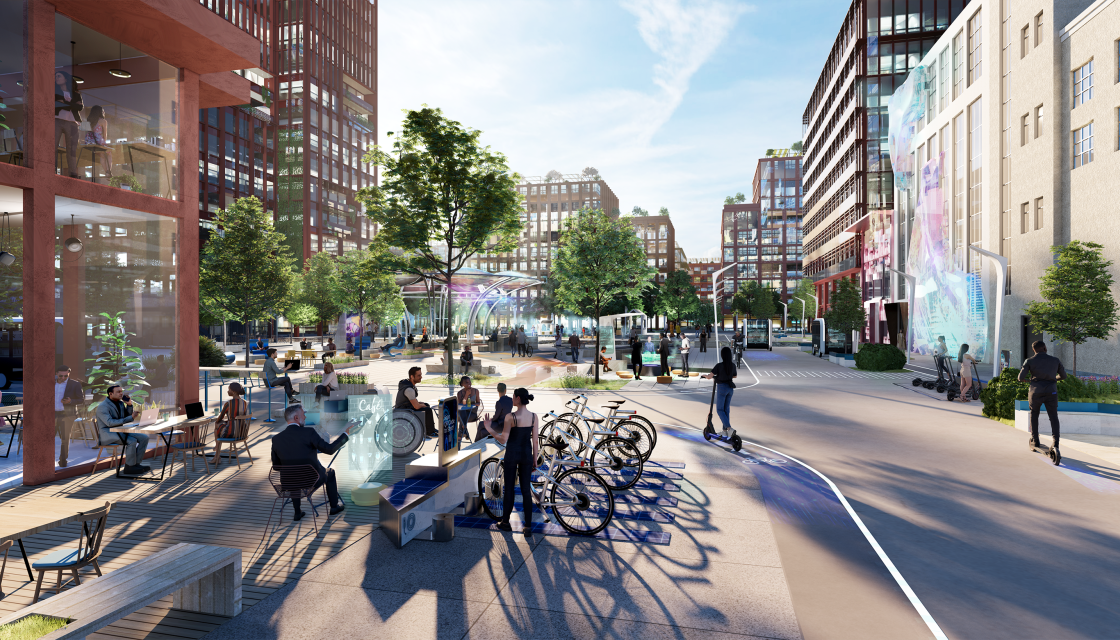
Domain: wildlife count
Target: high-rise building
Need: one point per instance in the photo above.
(547, 203)
(325, 115)
(847, 168)
(764, 236)
(660, 239)
(700, 270)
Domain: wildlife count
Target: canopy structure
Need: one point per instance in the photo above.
(477, 290)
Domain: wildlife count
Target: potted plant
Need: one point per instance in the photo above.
(126, 182)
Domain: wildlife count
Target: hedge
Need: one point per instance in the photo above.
(879, 357)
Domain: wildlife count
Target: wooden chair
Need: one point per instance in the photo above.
(240, 437)
(71, 560)
(115, 449)
(86, 426)
(294, 481)
(193, 441)
(5, 547)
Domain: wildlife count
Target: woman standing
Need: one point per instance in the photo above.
(724, 374)
(520, 437)
(330, 382)
(967, 362)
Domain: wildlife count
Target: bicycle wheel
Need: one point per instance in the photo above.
(491, 478)
(637, 434)
(649, 427)
(581, 502)
(571, 427)
(618, 463)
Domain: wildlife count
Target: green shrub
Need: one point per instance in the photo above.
(1071, 388)
(1000, 394)
(209, 353)
(575, 381)
(879, 357)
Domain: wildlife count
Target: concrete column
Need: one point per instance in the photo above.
(186, 277)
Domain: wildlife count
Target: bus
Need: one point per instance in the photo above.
(758, 334)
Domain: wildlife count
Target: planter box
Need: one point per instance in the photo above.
(345, 365)
(1088, 418)
(487, 369)
(844, 360)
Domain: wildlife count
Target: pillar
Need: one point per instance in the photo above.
(186, 277)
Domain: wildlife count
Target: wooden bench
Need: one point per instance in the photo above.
(203, 579)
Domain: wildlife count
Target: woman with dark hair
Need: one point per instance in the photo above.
(520, 436)
(98, 134)
(724, 373)
(67, 116)
(967, 362)
(233, 413)
(330, 382)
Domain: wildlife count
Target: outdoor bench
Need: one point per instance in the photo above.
(203, 579)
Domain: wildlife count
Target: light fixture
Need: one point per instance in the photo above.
(6, 258)
(72, 244)
(119, 73)
(73, 63)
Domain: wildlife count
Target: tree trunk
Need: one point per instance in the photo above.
(595, 355)
(361, 332)
(1075, 359)
(447, 333)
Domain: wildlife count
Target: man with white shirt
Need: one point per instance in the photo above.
(685, 346)
(68, 395)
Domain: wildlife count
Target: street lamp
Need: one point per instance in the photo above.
(911, 287)
(1001, 291)
(715, 310)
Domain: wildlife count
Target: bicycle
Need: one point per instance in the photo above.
(615, 459)
(572, 494)
(635, 428)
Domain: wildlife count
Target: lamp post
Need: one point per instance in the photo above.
(911, 286)
(715, 301)
(785, 314)
(1001, 291)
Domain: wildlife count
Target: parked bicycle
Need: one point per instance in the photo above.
(623, 423)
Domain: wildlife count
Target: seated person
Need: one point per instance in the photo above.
(114, 411)
(398, 343)
(304, 345)
(226, 426)
(424, 338)
(273, 377)
(603, 359)
(349, 345)
(330, 350)
(407, 399)
(330, 383)
(297, 445)
(260, 345)
(411, 338)
(502, 408)
(468, 402)
(466, 359)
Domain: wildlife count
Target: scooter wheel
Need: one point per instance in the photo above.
(737, 443)
(709, 432)
(1055, 457)
(951, 396)
(940, 388)
(917, 382)
(929, 385)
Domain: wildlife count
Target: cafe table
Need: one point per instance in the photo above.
(27, 516)
(166, 429)
(13, 414)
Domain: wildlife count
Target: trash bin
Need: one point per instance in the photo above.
(443, 529)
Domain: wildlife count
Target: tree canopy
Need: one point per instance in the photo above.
(845, 308)
(678, 296)
(599, 260)
(320, 288)
(1077, 302)
(638, 211)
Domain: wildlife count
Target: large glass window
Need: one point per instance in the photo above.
(117, 112)
(958, 64)
(1083, 145)
(975, 51)
(976, 177)
(12, 143)
(1083, 84)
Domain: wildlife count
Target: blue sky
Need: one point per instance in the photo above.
(672, 101)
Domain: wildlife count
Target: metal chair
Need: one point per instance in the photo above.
(193, 442)
(294, 481)
(89, 548)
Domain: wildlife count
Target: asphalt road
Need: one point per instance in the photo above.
(994, 540)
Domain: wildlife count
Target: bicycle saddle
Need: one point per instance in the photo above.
(595, 420)
(557, 443)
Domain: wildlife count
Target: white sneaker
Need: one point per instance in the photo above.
(727, 433)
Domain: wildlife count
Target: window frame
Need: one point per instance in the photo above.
(1080, 150)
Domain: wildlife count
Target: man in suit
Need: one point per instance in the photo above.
(1043, 371)
(298, 444)
(68, 396)
(665, 348)
(115, 411)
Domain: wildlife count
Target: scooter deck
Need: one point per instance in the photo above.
(1054, 454)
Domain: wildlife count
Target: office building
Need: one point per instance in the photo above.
(1019, 123)
(847, 170)
(701, 271)
(84, 246)
(660, 239)
(763, 238)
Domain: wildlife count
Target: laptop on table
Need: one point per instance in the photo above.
(147, 417)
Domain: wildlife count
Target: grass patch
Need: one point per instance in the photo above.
(579, 381)
(31, 627)
(477, 379)
(1010, 423)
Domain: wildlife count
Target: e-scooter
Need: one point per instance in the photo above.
(1050, 452)
(709, 430)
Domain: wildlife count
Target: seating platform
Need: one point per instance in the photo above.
(409, 508)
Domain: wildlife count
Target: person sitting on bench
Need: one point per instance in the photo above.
(466, 359)
(388, 347)
(407, 399)
(604, 361)
(330, 350)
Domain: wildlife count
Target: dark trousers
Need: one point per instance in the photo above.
(703, 344)
(665, 371)
(466, 367)
(69, 131)
(575, 354)
(429, 420)
(320, 391)
(684, 364)
(518, 469)
(1051, 402)
(332, 490)
(285, 382)
(636, 365)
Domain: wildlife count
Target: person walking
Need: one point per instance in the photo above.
(703, 342)
(68, 396)
(665, 348)
(724, 374)
(494, 340)
(522, 341)
(521, 438)
(574, 343)
(967, 363)
(686, 346)
(636, 358)
(511, 342)
(1043, 371)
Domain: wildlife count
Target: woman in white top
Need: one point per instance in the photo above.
(967, 362)
(329, 383)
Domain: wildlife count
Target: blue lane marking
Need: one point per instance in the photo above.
(625, 513)
(661, 501)
(751, 354)
(550, 529)
(1081, 473)
(794, 495)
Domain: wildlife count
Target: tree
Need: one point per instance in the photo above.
(729, 200)
(302, 315)
(650, 300)
(320, 289)
(802, 293)
(442, 200)
(591, 173)
(678, 296)
(366, 285)
(663, 211)
(846, 313)
(1077, 302)
(796, 147)
(740, 198)
(245, 269)
(117, 362)
(638, 211)
(599, 259)
(553, 176)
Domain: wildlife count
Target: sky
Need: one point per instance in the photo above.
(673, 101)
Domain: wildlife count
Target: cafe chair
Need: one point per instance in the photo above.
(294, 481)
(240, 438)
(5, 546)
(71, 559)
(193, 441)
(114, 451)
